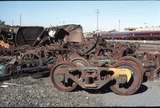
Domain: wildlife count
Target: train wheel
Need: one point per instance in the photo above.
(135, 81)
(130, 58)
(59, 80)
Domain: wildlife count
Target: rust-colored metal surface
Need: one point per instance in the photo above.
(136, 80)
(70, 59)
(34, 50)
(146, 51)
(88, 76)
(60, 80)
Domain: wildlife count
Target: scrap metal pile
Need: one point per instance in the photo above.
(143, 45)
(32, 50)
(72, 60)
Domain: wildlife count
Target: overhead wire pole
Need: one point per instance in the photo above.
(119, 25)
(63, 22)
(12, 22)
(20, 19)
(97, 21)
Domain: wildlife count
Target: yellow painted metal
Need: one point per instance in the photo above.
(121, 71)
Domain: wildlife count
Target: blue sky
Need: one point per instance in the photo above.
(46, 13)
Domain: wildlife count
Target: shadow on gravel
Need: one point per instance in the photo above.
(142, 89)
(106, 89)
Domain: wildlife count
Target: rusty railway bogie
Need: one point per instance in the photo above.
(90, 77)
(96, 77)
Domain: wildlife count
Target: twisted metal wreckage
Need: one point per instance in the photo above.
(72, 60)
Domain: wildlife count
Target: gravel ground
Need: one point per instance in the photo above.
(40, 92)
(29, 92)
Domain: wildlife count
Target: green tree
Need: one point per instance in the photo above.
(2, 22)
